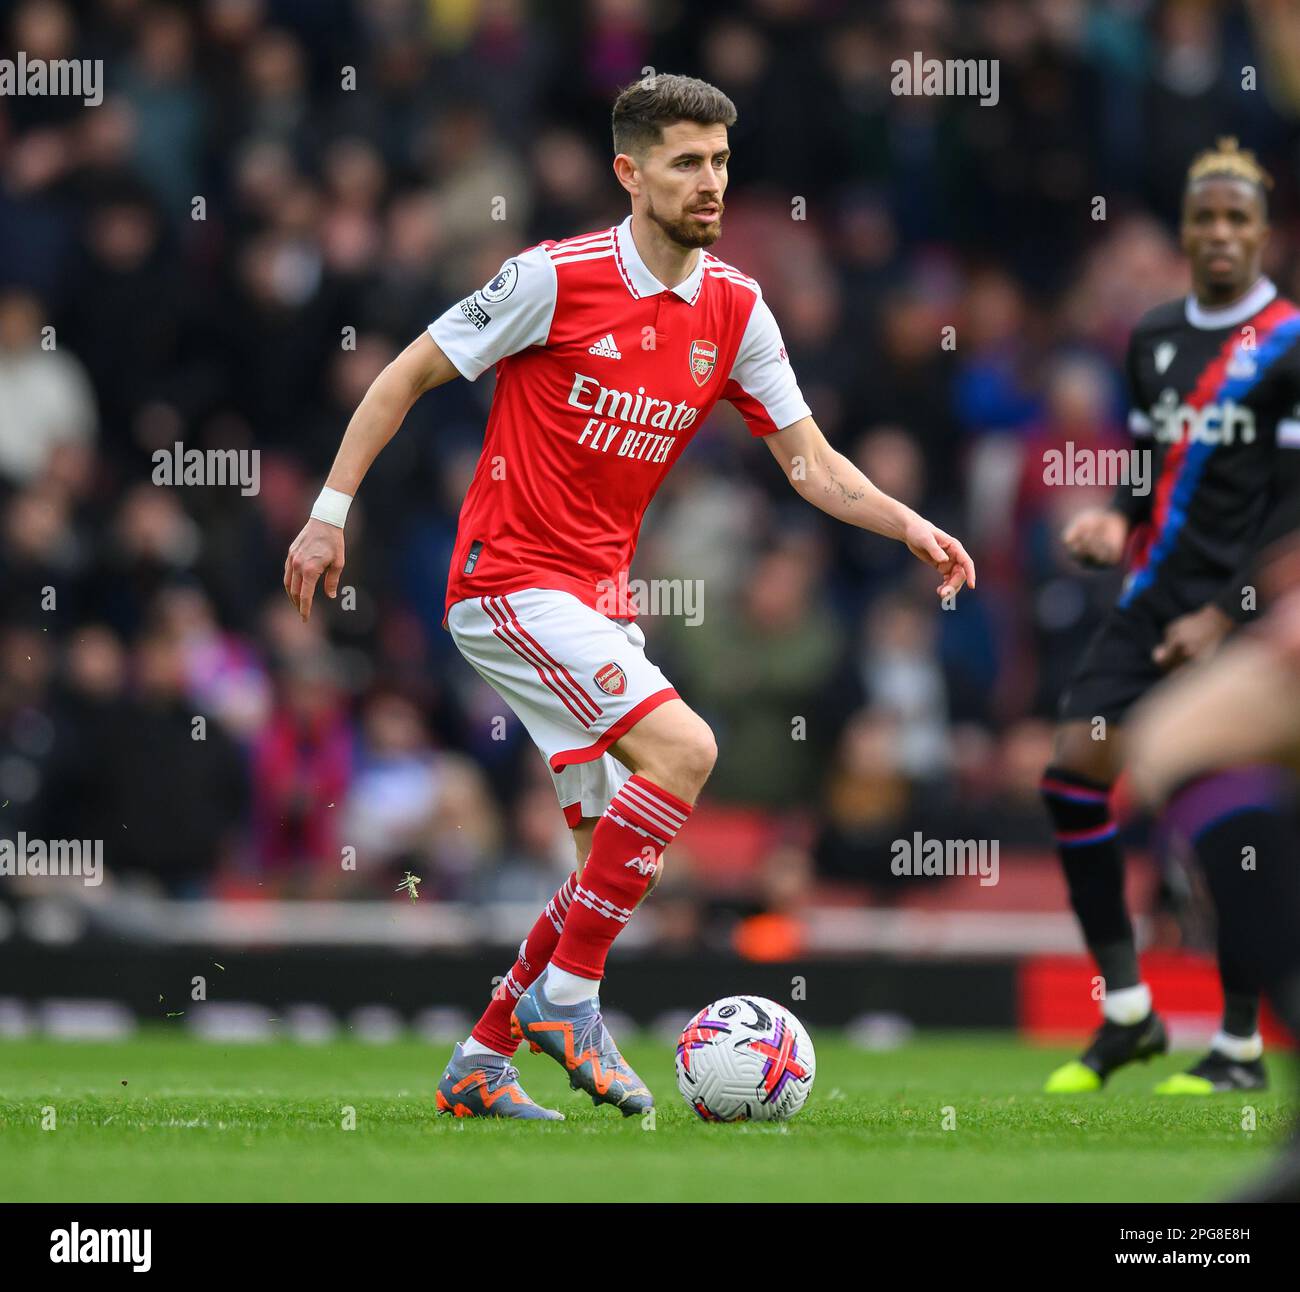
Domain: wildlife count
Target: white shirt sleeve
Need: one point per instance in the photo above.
(504, 316)
(769, 398)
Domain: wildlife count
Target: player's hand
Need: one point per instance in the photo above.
(317, 550)
(1193, 636)
(930, 544)
(1096, 537)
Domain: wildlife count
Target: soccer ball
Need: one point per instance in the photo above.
(745, 1058)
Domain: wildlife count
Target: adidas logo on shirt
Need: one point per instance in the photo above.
(605, 347)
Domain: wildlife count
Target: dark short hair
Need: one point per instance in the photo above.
(643, 108)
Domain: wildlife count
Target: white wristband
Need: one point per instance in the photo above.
(332, 507)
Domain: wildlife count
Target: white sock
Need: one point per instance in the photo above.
(470, 1047)
(1128, 1005)
(1242, 1049)
(564, 988)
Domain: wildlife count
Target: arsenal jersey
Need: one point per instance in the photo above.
(603, 376)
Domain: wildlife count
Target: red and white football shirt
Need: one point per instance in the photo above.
(603, 376)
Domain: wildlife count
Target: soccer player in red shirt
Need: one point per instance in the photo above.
(610, 350)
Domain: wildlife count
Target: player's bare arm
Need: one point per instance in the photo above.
(829, 481)
(318, 549)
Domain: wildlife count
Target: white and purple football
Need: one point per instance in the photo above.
(745, 1058)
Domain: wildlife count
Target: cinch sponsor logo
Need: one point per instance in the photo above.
(921, 856)
(43, 858)
(1224, 423)
(77, 1246)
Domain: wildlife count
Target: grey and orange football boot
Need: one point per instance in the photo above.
(576, 1038)
(487, 1085)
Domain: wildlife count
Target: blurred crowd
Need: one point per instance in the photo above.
(275, 196)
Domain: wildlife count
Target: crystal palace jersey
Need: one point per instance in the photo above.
(1216, 399)
(603, 376)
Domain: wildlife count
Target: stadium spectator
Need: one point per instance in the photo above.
(338, 217)
(413, 807)
(175, 781)
(45, 396)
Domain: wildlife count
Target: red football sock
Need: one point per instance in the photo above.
(625, 849)
(493, 1029)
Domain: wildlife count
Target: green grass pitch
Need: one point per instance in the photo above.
(161, 1117)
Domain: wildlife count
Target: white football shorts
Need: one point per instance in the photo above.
(576, 679)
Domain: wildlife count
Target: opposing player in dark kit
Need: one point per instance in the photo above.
(1214, 381)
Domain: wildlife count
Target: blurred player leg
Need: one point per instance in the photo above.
(1257, 896)
(1233, 821)
(1243, 706)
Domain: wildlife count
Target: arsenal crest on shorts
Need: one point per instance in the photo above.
(704, 354)
(611, 679)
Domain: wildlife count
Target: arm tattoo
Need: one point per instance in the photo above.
(846, 493)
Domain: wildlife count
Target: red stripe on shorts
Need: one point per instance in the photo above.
(560, 669)
(504, 631)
